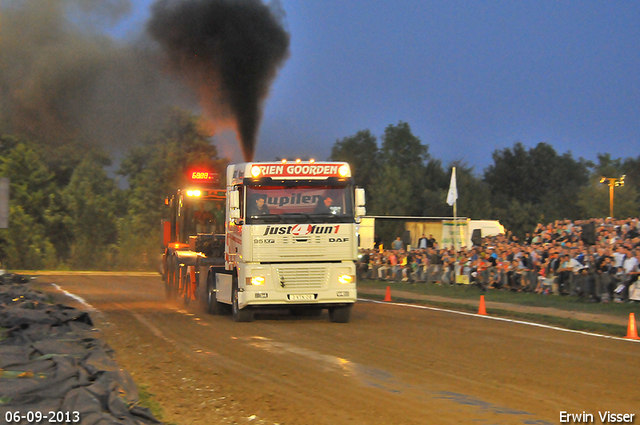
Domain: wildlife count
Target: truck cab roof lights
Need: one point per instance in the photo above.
(343, 171)
(194, 192)
(255, 171)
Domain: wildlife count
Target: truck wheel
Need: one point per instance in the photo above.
(244, 315)
(175, 283)
(213, 306)
(340, 314)
(186, 293)
(169, 285)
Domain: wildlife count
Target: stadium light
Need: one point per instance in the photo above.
(612, 182)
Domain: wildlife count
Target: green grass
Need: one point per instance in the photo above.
(471, 292)
(147, 399)
(561, 322)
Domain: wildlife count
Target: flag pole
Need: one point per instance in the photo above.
(452, 199)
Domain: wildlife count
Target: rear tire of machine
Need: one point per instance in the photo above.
(168, 284)
(172, 285)
(186, 293)
(244, 315)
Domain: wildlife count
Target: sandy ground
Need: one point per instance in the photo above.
(391, 365)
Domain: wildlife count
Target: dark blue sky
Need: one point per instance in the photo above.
(469, 77)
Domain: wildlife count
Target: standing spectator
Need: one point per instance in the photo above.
(528, 281)
(393, 262)
(377, 241)
(397, 244)
(422, 242)
(606, 278)
(431, 242)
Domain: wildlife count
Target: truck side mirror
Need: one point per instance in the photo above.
(359, 197)
(360, 209)
(234, 204)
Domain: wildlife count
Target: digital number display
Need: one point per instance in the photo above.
(203, 175)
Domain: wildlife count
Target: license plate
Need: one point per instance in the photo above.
(301, 297)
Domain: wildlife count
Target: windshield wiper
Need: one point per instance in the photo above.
(266, 218)
(332, 218)
(298, 215)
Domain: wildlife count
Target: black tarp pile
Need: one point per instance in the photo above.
(52, 361)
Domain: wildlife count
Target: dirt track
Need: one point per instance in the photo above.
(390, 365)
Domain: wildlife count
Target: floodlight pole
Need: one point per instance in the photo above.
(612, 182)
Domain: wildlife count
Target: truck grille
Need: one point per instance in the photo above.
(303, 278)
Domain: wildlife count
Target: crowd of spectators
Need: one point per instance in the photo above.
(597, 259)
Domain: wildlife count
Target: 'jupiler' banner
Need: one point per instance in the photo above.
(454, 233)
(298, 200)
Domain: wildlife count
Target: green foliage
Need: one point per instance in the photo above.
(31, 180)
(594, 201)
(538, 177)
(89, 198)
(631, 168)
(402, 149)
(25, 243)
(66, 212)
(361, 152)
(402, 161)
(389, 192)
(518, 218)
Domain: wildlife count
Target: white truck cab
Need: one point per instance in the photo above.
(290, 239)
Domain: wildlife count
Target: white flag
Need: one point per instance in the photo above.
(453, 190)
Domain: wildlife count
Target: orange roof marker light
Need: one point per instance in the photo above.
(255, 171)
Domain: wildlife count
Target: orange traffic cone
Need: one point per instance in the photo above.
(387, 296)
(632, 332)
(482, 310)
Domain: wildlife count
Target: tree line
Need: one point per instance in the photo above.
(522, 187)
(72, 209)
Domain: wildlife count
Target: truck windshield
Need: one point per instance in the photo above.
(204, 216)
(300, 204)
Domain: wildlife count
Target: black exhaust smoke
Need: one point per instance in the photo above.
(229, 51)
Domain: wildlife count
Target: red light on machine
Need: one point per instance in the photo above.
(201, 175)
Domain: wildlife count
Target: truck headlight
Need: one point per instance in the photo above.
(345, 279)
(256, 280)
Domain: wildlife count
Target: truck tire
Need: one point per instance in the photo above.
(244, 315)
(213, 306)
(340, 314)
(186, 286)
(170, 284)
